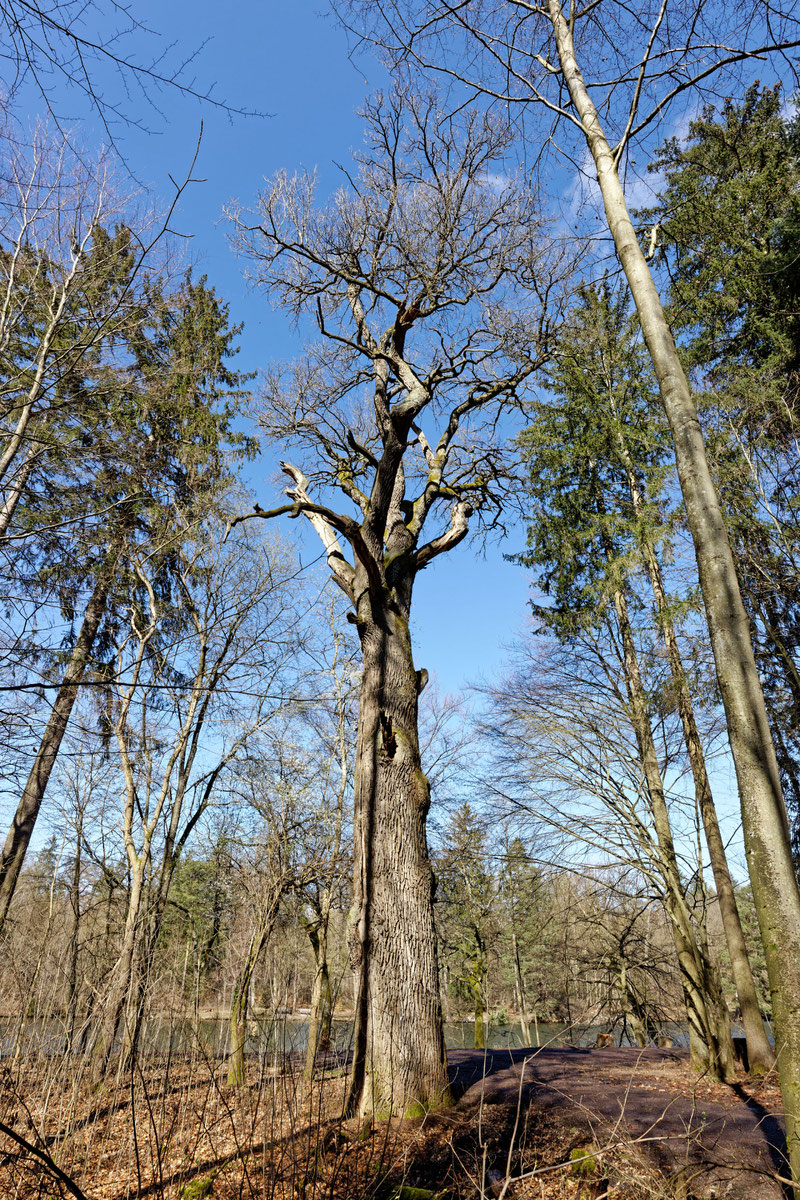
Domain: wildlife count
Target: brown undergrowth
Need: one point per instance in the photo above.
(174, 1130)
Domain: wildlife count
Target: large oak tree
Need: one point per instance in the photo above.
(397, 412)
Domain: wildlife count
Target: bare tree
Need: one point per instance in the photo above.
(327, 843)
(573, 729)
(214, 662)
(407, 271)
(269, 871)
(99, 51)
(631, 970)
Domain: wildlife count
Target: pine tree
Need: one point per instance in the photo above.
(133, 447)
(728, 231)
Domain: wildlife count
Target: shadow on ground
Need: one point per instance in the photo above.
(717, 1140)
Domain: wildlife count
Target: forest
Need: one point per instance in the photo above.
(280, 915)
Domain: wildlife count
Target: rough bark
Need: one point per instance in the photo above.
(19, 835)
(764, 818)
(393, 943)
(448, 276)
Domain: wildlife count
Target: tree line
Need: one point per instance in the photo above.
(176, 680)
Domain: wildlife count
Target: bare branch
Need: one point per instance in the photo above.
(459, 528)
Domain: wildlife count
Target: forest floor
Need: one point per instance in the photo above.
(561, 1123)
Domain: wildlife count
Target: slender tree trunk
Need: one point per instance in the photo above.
(121, 976)
(445, 992)
(17, 487)
(479, 1039)
(632, 1008)
(141, 973)
(87, 1036)
(319, 1021)
(476, 987)
(74, 934)
(764, 820)
(239, 1009)
(197, 967)
(19, 835)
(760, 1054)
(241, 992)
(146, 951)
(759, 1051)
(778, 720)
(709, 1022)
(393, 942)
(477, 983)
(520, 988)
(566, 962)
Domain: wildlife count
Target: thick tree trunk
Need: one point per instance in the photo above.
(399, 1057)
(19, 835)
(759, 1051)
(709, 1022)
(764, 819)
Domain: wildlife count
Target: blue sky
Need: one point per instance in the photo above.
(291, 62)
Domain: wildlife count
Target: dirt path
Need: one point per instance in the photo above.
(723, 1141)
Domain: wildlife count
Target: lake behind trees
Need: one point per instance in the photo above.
(285, 1035)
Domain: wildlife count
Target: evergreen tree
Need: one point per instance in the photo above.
(597, 457)
(126, 461)
(522, 893)
(728, 230)
(466, 898)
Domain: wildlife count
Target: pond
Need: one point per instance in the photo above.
(288, 1034)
